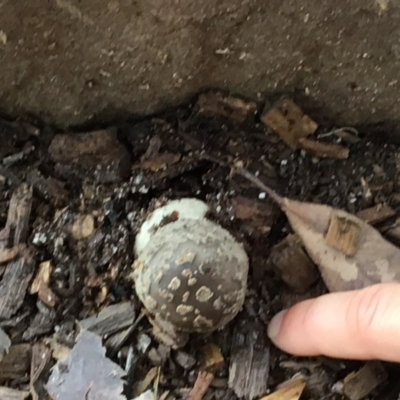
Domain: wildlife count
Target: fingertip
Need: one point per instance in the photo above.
(274, 326)
(362, 324)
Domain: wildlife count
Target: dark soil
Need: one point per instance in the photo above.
(92, 272)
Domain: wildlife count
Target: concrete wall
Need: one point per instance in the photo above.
(69, 60)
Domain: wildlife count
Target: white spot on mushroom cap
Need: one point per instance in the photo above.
(174, 284)
(187, 273)
(185, 297)
(192, 281)
(184, 309)
(204, 294)
(201, 322)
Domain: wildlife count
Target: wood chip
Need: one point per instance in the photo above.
(230, 107)
(82, 227)
(5, 343)
(289, 121)
(376, 214)
(43, 322)
(290, 391)
(343, 235)
(249, 360)
(213, 358)
(324, 150)
(50, 189)
(18, 273)
(40, 284)
(359, 384)
(202, 383)
(40, 367)
(12, 394)
(110, 319)
(15, 365)
(291, 262)
(143, 384)
(7, 255)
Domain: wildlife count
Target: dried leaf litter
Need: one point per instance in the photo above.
(92, 188)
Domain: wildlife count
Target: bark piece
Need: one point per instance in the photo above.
(359, 384)
(49, 188)
(7, 255)
(97, 154)
(230, 107)
(42, 323)
(291, 390)
(18, 272)
(376, 214)
(293, 265)
(250, 357)
(289, 121)
(5, 343)
(324, 150)
(110, 319)
(144, 383)
(15, 282)
(40, 365)
(15, 364)
(12, 394)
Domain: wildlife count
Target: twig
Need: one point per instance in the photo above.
(201, 385)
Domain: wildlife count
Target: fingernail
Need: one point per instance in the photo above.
(274, 326)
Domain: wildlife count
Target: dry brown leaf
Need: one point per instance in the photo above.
(290, 391)
(375, 260)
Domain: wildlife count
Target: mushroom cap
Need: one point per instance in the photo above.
(187, 208)
(192, 274)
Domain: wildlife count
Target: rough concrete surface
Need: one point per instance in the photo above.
(70, 60)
